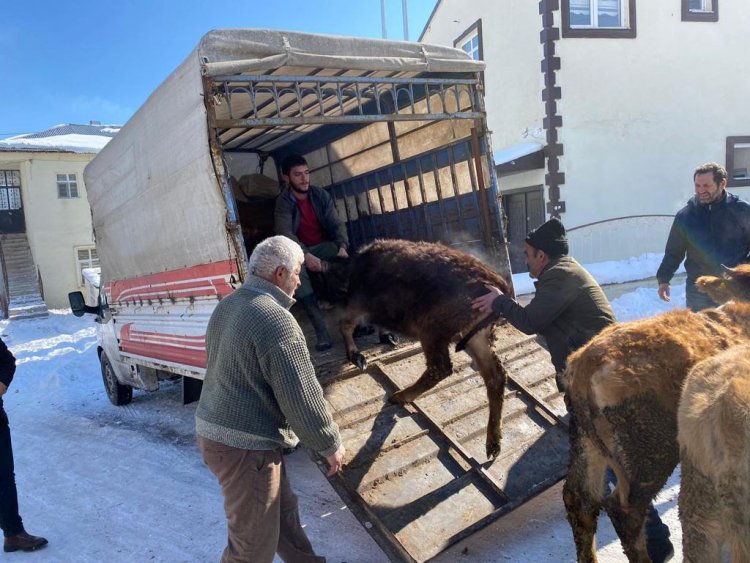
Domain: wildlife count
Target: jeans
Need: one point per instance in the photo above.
(324, 251)
(697, 300)
(10, 520)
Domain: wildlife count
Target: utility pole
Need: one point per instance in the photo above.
(382, 19)
(405, 12)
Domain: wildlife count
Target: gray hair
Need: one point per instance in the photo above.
(272, 253)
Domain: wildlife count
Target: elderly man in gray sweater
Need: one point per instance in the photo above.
(260, 392)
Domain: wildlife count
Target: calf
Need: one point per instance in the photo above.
(714, 436)
(623, 389)
(424, 291)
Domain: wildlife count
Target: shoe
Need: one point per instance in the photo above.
(660, 551)
(24, 542)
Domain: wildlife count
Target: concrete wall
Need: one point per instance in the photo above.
(55, 227)
(638, 114)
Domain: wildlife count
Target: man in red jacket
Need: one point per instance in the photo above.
(16, 537)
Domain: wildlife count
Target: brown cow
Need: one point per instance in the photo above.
(424, 290)
(714, 435)
(624, 387)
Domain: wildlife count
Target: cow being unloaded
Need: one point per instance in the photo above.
(714, 435)
(624, 387)
(424, 291)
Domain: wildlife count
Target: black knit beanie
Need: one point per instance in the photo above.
(550, 238)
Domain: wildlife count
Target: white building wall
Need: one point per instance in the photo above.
(54, 226)
(638, 114)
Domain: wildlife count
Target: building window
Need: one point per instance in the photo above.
(86, 257)
(67, 186)
(700, 10)
(471, 41)
(738, 161)
(598, 18)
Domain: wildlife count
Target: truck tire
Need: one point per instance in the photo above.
(118, 393)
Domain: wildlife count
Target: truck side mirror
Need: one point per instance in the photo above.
(78, 304)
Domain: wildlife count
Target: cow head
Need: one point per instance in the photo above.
(733, 285)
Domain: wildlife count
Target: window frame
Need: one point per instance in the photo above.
(85, 263)
(732, 143)
(67, 183)
(467, 34)
(601, 32)
(688, 16)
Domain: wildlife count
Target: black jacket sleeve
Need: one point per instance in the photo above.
(7, 364)
(674, 254)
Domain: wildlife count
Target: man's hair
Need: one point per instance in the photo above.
(719, 172)
(290, 162)
(272, 253)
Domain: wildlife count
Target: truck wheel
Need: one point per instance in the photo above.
(118, 394)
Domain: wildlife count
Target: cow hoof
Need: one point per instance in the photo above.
(493, 450)
(359, 360)
(389, 338)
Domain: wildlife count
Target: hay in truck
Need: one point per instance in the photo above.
(396, 133)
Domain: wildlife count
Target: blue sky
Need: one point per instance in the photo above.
(72, 62)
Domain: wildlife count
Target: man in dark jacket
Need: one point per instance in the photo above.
(712, 230)
(306, 214)
(568, 309)
(16, 537)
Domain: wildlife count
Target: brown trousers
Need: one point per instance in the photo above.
(261, 508)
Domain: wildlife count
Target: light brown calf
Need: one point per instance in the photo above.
(714, 436)
(623, 390)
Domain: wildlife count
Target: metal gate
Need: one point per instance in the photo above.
(416, 476)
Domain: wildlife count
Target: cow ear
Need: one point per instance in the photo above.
(727, 271)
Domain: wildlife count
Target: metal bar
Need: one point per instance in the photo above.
(483, 205)
(538, 402)
(454, 179)
(425, 212)
(335, 79)
(334, 119)
(439, 192)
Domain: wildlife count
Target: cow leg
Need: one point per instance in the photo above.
(583, 493)
(439, 367)
(479, 347)
(699, 516)
(628, 522)
(347, 324)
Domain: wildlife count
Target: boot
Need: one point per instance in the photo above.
(24, 542)
(316, 318)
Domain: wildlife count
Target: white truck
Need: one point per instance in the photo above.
(396, 131)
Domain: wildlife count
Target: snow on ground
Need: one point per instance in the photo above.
(126, 484)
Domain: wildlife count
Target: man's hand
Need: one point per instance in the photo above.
(313, 263)
(3, 388)
(484, 302)
(342, 253)
(336, 461)
(664, 291)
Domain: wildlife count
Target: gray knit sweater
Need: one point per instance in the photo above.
(260, 391)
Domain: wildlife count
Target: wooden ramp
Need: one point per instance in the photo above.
(416, 476)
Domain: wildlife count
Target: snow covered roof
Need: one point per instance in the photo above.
(66, 137)
(516, 151)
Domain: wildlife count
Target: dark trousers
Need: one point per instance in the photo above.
(10, 520)
(324, 251)
(261, 508)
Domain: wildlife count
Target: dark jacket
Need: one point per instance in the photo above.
(568, 309)
(287, 216)
(7, 366)
(709, 235)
